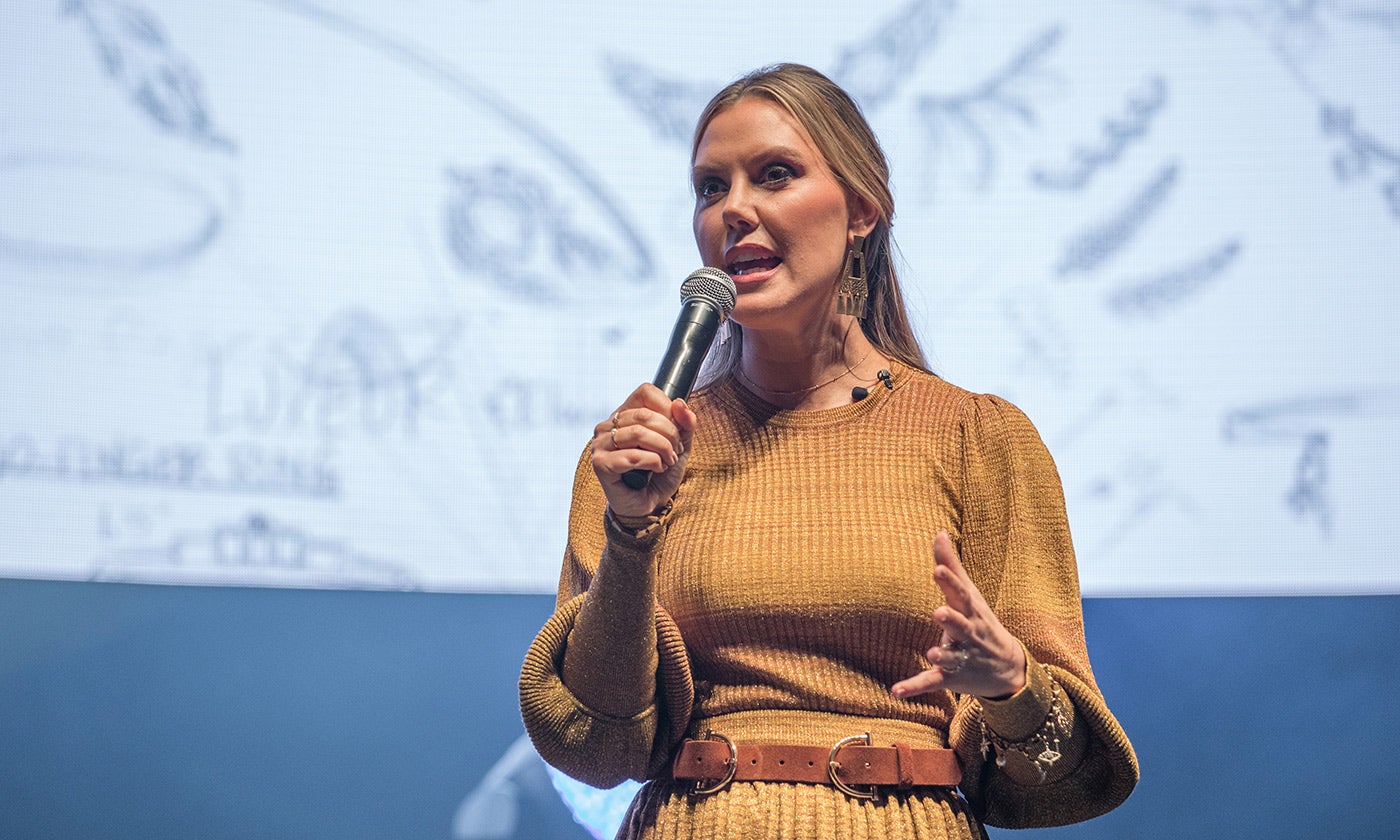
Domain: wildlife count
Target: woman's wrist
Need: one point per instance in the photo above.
(1023, 679)
(637, 526)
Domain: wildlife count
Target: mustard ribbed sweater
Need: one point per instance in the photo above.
(791, 584)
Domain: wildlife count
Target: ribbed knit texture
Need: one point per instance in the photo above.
(793, 581)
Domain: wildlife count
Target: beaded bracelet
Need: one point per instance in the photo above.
(637, 526)
(1046, 739)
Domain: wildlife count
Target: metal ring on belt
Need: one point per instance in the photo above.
(852, 765)
(731, 764)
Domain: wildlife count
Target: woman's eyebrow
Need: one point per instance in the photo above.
(768, 152)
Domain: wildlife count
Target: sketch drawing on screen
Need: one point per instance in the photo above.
(1129, 487)
(358, 294)
(1325, 45)
(1117, 134)
(360, 379)
(508, 227)
(198, 467)
(526, 242)
(1042, 341)
(117, 214)
(667, 104)
(1127, 493)
(611, 241)
(1361, 154)
(873, 69)
(1297, 30)
(1153, 295)
(357, 375)
(1089, 249)
(964, 127)
(138, 55)
(134, 218)
(1310, 422)
(259, 550)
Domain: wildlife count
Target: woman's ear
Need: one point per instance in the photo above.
(863, 215)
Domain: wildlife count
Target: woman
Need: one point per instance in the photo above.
(846, 604)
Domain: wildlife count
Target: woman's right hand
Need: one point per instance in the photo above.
(647, 432)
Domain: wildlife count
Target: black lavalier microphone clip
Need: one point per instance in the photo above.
(858, 393)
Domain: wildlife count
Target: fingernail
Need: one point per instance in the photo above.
(898, 691)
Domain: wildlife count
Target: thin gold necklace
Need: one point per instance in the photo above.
(739, 368)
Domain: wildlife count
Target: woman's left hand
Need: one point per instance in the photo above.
(978, 654)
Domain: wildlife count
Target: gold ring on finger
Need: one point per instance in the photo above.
(612, 433)
(953, 647)
(615, 413)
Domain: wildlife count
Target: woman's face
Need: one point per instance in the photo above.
(770, 212)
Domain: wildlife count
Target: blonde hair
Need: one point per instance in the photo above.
(845, 140)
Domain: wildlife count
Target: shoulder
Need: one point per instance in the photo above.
(989, 414)
(930, 393)
(982, 423)
(928, 389)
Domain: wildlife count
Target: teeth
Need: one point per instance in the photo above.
(742, 267)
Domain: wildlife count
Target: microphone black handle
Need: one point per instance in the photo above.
(675, 376)
(636, 479)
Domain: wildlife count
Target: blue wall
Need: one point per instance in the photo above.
(177, 712)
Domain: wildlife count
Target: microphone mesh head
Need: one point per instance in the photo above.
(713, 286)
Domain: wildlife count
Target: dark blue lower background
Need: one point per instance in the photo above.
(170, 712)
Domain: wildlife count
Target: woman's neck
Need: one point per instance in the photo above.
(810, 372)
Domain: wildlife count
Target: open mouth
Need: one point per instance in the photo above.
(739, 268)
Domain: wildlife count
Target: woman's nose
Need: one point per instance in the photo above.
(738, 212)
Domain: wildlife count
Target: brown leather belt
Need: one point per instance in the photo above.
(856, 768)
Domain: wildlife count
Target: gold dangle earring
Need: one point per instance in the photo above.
(850, 297)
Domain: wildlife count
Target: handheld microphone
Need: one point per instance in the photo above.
(707, 298)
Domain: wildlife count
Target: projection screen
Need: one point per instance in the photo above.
(331, 296)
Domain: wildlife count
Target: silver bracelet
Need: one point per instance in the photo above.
(1042, 747)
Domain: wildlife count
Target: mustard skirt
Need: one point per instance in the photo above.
(786, 811)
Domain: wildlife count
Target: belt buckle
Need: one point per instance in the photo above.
(732, 762)
(833, 768)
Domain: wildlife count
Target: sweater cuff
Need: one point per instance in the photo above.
(1019, 716)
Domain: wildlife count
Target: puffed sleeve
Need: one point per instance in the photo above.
(1014, 541)
(626, 657)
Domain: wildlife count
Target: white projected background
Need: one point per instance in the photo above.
(332, 296)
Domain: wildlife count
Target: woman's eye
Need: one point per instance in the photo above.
(777, 173)
(708, 188)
